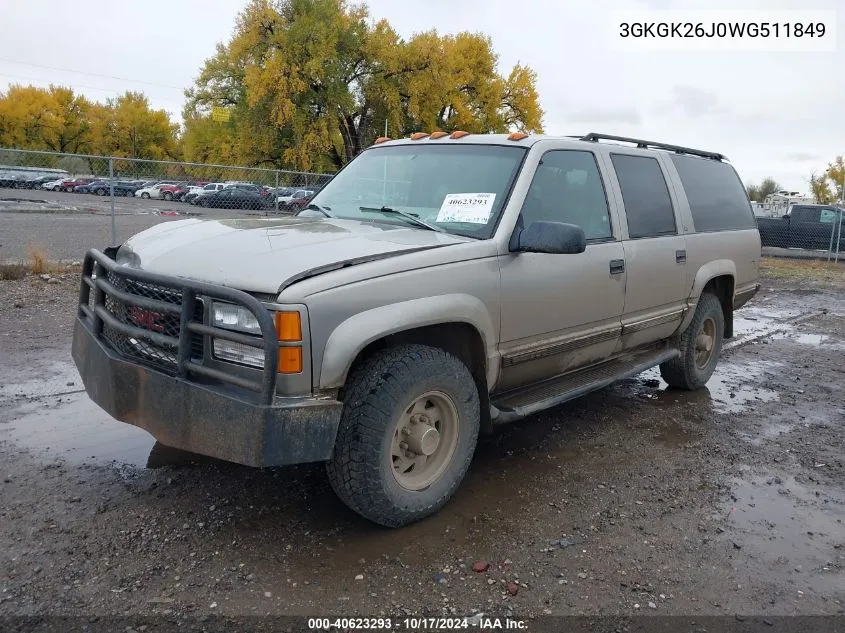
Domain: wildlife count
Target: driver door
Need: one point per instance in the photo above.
(562, 312)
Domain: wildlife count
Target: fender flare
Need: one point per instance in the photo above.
(349, 338)
(710, 270)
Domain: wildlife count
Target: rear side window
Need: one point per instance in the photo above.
(717, 199)
(648, 206)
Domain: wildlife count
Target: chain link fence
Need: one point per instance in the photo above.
(119, 187)
(806, 231)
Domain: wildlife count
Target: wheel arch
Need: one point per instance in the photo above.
(719, 278)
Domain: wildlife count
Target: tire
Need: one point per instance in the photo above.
(57, 188)
(145, 196)
(100, 192)
(168, 196)
(694, 368)
(379, 396)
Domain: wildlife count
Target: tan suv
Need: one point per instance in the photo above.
(437, 286)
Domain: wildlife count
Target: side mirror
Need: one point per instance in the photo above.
(554, 238)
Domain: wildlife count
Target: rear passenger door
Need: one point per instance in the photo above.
(655, 251)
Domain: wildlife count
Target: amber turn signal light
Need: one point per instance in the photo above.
(436, 135)
(288, 326)
(290, 360)
(458, 134)
(418, 135)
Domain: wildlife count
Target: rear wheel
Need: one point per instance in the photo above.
(100, 192)
(700, 345)
(57, 188)
(167, 196)
(407, 434)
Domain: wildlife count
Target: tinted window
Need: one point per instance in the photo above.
(645, 195)
(805, 214)
(567, 187)
(717, 199)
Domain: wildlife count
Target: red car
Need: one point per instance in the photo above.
(177, 192)
(68, 185)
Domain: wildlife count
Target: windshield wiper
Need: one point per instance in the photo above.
(317, 207)
(408, 216)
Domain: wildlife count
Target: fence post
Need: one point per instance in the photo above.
(838, 237)
(111, 195)
(830, 246)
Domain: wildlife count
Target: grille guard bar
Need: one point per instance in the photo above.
(97, 265)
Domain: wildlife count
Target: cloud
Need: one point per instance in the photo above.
(803, 157)
(697, 102)
(629, 115)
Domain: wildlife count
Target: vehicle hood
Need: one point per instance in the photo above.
(264, 256)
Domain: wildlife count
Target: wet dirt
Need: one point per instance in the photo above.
(727, 500)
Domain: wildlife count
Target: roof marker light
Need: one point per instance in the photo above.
(416, 136)
(458, 134)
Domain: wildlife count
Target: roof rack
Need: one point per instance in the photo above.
(595, 137)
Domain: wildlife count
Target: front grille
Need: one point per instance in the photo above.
(161, 357)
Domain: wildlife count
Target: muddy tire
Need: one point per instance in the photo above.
(700, 345)
(407, 434)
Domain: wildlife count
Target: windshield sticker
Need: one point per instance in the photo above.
(473, 208)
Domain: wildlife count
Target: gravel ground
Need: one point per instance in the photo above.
(635, 499)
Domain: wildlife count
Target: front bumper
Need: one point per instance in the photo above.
(204, 419)
(138, 345)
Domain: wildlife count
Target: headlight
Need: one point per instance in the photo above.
(234, 317)
(239, 353)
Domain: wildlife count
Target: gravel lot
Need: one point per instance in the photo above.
(632, 500)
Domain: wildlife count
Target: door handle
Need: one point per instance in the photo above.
(681, 257)
(617, 266)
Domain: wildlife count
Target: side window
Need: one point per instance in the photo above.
(717, 198)
(567, 187)
(645, 195)
(829, 216)
(805, 214)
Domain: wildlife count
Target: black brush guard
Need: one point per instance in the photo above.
(139, 344)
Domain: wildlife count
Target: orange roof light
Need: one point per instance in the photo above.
(458, 134)
(436, 135)
(418, 135)
(517, 136)
(382, 139)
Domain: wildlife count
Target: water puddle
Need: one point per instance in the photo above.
(76, 430)
(781, 520)
(734, 388)
(57, 378)
(823, 341)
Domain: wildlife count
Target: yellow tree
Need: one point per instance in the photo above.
(128, 126)
(310, 83)
(835, 174)
(53, 119)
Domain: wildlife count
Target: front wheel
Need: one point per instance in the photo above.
(407, 434)
(145, 196)
(168, 196)
(700, 346)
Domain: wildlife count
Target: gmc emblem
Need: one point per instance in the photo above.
(146, 319)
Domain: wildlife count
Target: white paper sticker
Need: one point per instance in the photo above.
(474, 208)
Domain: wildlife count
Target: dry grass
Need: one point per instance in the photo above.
(12, 272)
(797, 269)
(38, 263)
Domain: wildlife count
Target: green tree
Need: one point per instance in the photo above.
(310, 83)
(758, 193)
(820, 188)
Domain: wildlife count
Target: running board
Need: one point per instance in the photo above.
(520, 403)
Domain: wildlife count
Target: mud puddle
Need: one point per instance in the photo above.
(55, 379)
(783, 522)
(76, 430)
(734, 388)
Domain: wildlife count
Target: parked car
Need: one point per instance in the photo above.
(183, 189)
(398, 320)
(99, 187)
(34, 183)
(151, 192)
(174, 191)
(807, 226)
(232, 198)
(55, 185)
(299, 199)
(206, 189)
(68, 186)
(8, 180)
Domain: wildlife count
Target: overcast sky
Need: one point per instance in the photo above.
(773, 114)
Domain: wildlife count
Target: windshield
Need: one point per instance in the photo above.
(459, 188)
